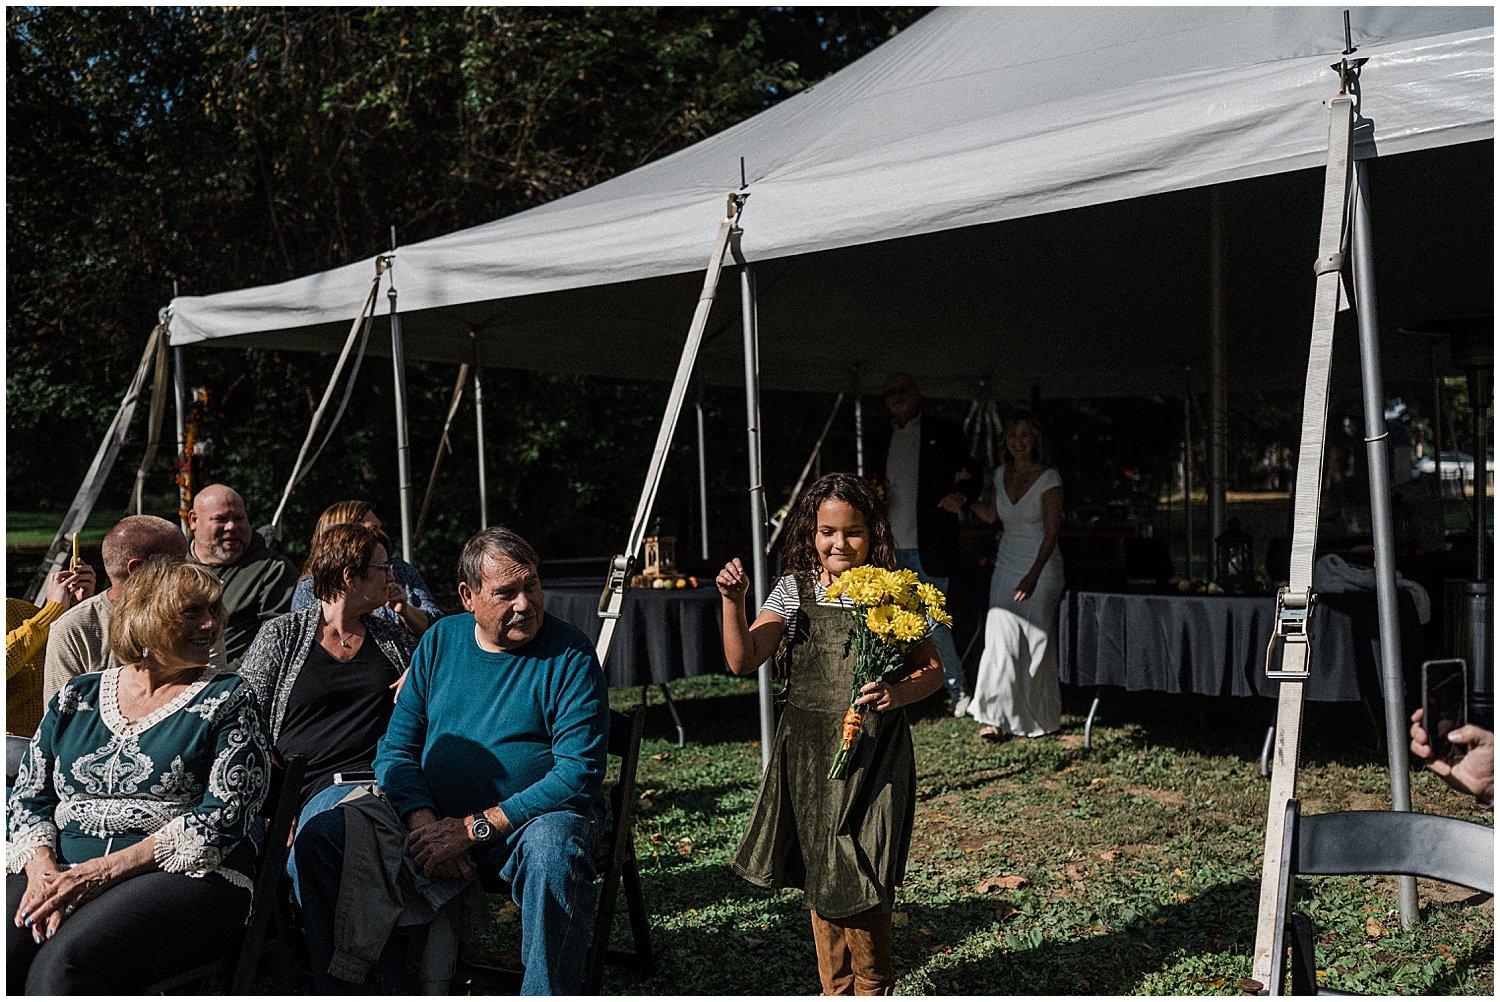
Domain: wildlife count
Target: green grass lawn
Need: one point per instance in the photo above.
(36, 528)
(1040, 866)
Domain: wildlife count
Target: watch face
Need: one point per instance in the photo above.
(482, 830)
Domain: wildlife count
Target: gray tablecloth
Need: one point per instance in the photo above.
(1215, 645)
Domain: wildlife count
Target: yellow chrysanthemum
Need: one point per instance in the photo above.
(940, 616)
(881, 621)
(931, 598)
(907, 627)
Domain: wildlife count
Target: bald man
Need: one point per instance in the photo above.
(258, 581)
(79, 641)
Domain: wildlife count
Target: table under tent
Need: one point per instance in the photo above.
(1089, 202)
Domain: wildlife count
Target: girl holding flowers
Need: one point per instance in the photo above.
(834, 814)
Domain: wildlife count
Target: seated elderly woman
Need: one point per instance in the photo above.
(408, 600)
(126, 845)
(326, 675)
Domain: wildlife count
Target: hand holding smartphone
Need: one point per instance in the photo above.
(1445, 687)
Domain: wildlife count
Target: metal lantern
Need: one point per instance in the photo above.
(660, 556)
(1234, 559)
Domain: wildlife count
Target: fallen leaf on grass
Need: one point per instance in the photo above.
(656, 837)
(940, 948)
(1072, 872)
(1446, 953)
(1008, 882)
(924, 930)
(1180, 896)
(1109, 857)
(752, 943)
(1161, 920)
(1375, 929)
(684, 847)
(899, 918)
(1005, 910)
(1097, 782)
(662, 757)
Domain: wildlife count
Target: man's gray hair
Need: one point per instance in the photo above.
(496, 541)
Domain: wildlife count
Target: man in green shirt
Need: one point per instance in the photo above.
(258, 581)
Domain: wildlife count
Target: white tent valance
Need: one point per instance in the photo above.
(1018, 193)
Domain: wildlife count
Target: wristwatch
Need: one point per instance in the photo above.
(480, 829)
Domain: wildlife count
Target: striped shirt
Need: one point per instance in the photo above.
(784, 602)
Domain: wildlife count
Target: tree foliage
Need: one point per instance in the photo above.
(218, 148)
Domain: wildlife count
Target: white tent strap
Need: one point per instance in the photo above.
(1297, 596)
(104, 460)
(159, 394)
(618, 577)
(443, 447)
(355, 330)
(338, 415)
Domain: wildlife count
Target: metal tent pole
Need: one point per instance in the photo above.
(398, 381)
(757, 489)
(1187, 472)
(484, 499)
(1378, 453)
(702, 482)
(1218, 405)
(859, 424)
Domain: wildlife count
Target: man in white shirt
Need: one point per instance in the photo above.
(929, 478)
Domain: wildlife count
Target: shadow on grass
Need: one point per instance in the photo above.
(1112, 962)
(1344, 733)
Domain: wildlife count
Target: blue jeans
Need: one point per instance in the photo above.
(324, 800)
(942, 637)
(549, 864)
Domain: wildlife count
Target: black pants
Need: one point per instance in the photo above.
(142, 930)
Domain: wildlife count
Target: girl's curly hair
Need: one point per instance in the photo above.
(801, 556)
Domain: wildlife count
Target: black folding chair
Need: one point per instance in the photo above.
(1396, 843)
(617, 868)
(15, 747)
(241, 966)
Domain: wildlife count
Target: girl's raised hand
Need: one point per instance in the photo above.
(732, 581)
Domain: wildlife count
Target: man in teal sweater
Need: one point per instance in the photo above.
(494, 758)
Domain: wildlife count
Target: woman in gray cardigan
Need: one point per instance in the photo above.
(326, 676)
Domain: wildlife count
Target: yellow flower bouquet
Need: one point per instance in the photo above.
(889, 618)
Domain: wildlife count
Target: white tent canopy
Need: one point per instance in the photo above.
(1014, 193)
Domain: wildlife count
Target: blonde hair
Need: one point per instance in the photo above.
(150, 610)
(338, 513)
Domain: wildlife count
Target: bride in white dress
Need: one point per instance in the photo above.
(1017, 689)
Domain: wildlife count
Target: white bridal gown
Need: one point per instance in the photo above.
(1017, 689)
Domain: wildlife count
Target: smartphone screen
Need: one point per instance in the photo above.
(1444, 702)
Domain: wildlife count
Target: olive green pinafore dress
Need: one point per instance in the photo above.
(842, 841)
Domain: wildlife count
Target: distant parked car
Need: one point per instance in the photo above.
(1455, 466)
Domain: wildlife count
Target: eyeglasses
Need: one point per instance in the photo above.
(381, 568)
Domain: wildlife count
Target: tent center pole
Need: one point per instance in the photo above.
(1377, 450)
(403, 445)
